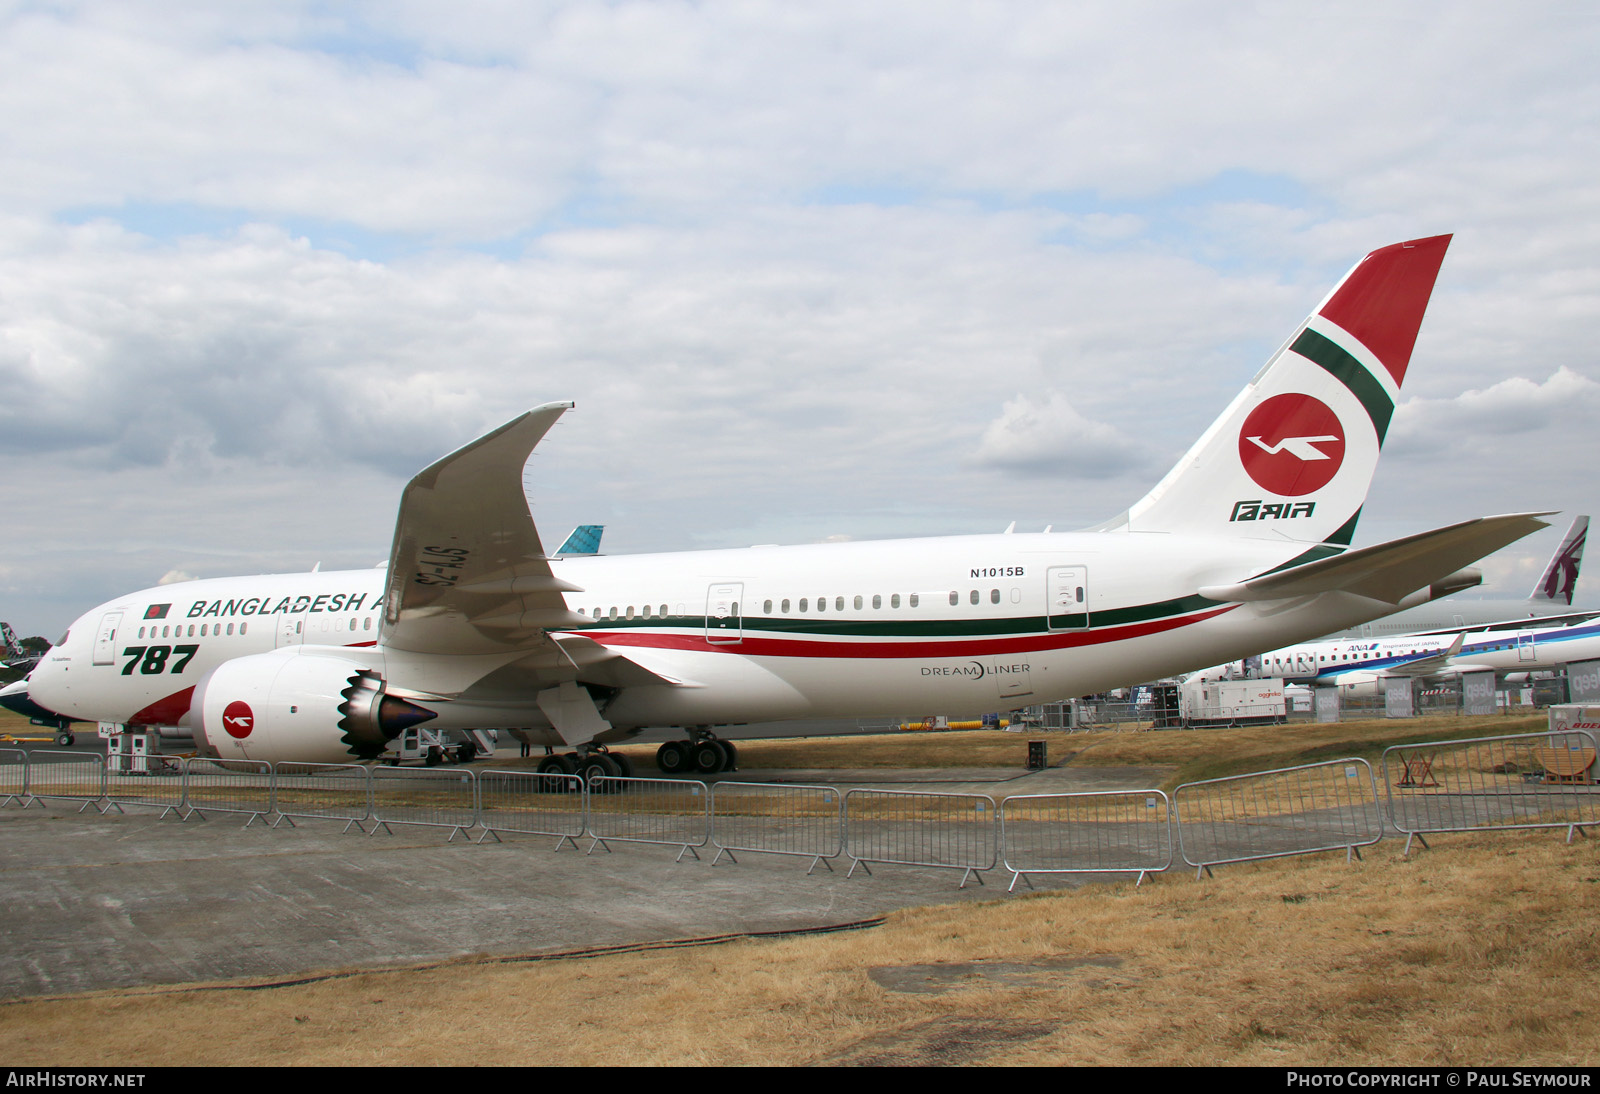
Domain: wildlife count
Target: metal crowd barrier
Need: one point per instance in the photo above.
(1523, 780)
(13, 776)
(529, 803)
(162, 787)
(70, 776)
(675, 812)
(778, 819)
(322, 792)
(1269, 814)
(1096, 832)
(919, 828)
(430, 796)
(228, 786)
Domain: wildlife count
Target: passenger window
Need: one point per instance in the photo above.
(663, 611)
(914, 598)
(994, 596)
(877, 601)
(955, 598)
(613, 611)
(785, 607)
(974, 596)
(838, 604)
(646, 611)
(766, 607)
(802, 603)
(822, 603)
(367, 624)
(894, 601)
(141, 632)
(230, 629)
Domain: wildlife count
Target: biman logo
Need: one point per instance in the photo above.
(1292, 445)
(238, 720)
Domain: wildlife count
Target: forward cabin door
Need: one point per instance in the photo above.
(105, 639)
(724, 625)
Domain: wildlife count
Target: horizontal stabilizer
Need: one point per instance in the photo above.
(1388, 571)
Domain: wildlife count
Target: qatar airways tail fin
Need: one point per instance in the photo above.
(1555, 588)
(1293, 456)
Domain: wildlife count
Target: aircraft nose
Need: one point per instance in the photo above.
(14, 697)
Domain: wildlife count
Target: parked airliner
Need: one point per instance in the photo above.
(1243, 546)
(1365, 663)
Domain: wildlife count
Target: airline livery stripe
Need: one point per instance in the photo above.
(834, 626)
(761, 646)
(1350, 372)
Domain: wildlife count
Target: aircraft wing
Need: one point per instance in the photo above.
(467, 574)
(1388, 571)
(1426, 664)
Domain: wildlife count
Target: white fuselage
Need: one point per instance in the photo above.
(1360, 661)
(958, 625)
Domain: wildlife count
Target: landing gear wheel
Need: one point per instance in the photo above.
(596, 767)
(466, 753)
(624, 765)
(65, 738)
(673, 757)
(733, 755)
(710, 757)
(435, 756)
(557, 765)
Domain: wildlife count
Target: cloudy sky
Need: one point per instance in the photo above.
(809, 270)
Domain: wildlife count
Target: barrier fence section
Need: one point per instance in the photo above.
(675, 812)
(13, 776)
(1523, 780)
(778, 819)
(1269, 814)
(322, 792)
(70, 776)
(227, 786)
(1095, 832)
(921, 828)
(529, 803)
(430, 796)
(159, 788)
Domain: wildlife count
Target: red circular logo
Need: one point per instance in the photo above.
(1292, 445)
(238, 719)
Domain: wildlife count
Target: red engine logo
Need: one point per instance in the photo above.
(1292, 445)
(238, 719)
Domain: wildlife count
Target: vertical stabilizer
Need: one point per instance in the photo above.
(1555, 588)
(1293, 456)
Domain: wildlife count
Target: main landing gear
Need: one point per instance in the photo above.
(703, 753)
(588, 765)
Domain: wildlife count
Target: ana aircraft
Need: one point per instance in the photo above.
(1548, 605)
(1363, 664)
(1243, 546)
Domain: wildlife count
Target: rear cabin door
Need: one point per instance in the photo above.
(724, 625)
(1067, 597)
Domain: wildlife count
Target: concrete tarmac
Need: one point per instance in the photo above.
(93, 902)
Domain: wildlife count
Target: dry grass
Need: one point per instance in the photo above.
(1480, 951)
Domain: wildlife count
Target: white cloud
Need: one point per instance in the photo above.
(1050, 437)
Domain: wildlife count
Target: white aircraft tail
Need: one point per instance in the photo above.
(9, 636)
(1293, 456)
(1560, 578)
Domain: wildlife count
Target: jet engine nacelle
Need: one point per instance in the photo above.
(296, 707)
